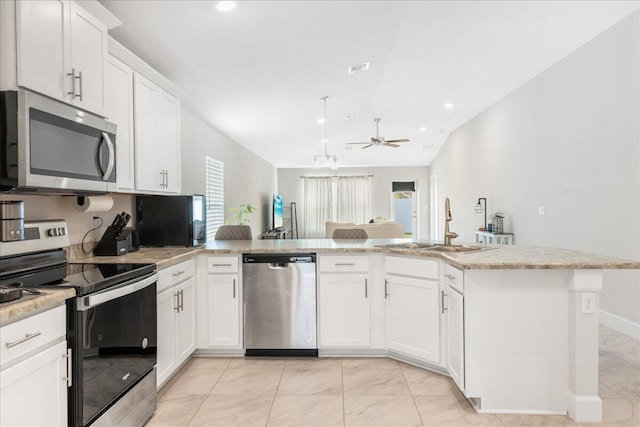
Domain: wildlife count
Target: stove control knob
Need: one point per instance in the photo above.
(52, 232)
(62, 231)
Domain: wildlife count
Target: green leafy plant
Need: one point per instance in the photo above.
(241, 213)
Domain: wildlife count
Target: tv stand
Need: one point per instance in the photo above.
(278, 233)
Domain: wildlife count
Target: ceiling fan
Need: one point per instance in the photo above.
(379, 140)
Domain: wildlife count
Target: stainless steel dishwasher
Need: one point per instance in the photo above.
(279, 304)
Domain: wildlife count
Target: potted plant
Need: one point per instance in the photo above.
(241, 213)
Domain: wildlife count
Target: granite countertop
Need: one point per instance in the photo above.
(13, 311)
(494, 257)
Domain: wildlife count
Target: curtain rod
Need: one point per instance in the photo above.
(332, 176)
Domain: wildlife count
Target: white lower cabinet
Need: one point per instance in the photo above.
(413, 308)
(344, 301)
(40, 379)
(455, 353)
(220, 303)
(176, 318)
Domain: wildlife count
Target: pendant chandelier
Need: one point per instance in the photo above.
(326, 159)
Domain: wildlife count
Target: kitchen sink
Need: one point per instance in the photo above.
(439, 247)
(409, 245)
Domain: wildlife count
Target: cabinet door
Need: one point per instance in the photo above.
(42, 36)
(413, 326)
(119, 110)
(455, 336)
(34, 392)
(167, 307)
(88, 56)
(345, 310)
(145, 101)
(224, 310)
(186, 320)
(169, 140)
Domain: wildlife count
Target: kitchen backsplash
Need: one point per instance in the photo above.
(38, 207)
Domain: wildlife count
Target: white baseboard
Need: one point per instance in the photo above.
(620, 324)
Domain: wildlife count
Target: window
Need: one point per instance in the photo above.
(215, 195)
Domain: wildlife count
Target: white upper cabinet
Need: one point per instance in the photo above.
(62, 52)
(119, 110)
(157, 136)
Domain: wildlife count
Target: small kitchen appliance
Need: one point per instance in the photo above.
(171, 220)
(11, 220)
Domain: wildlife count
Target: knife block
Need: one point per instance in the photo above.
(112, 244)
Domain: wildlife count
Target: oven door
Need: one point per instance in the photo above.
(116, 345)
(64, 148)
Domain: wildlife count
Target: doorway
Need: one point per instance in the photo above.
(404, 206)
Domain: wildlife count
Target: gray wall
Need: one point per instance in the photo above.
(291, 188)
(567, 140)
(247, 177)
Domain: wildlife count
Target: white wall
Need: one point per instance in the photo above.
(567, 140)
(291, 188)
(247, 177)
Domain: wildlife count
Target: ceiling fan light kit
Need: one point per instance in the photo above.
(326, 159)
(379, 140)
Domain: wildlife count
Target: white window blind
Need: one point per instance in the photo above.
(215, 195)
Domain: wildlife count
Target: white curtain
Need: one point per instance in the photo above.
(317, 205)
(353, 199)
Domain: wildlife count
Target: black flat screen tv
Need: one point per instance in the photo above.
(277, 212)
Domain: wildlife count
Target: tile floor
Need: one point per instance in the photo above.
(365, 392)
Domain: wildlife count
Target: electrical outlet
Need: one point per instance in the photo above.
(542, 211)
(588, 303)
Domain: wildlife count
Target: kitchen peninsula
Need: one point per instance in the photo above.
(515, 326)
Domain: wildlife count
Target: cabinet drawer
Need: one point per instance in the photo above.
(425, 268)
(454, 277)
(17, 339)
(175, 274)
(340, 264)
(222, 264)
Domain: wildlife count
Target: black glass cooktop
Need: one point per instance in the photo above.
(89, 278)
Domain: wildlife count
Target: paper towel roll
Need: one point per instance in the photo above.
(94, 203)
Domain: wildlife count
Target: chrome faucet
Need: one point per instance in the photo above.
(448, 235)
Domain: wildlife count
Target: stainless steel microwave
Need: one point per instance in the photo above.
(49, 146)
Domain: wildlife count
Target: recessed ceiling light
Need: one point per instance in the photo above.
(321, 121)
(224, 6)
(360, 67)
(351, 116)
(423, 129)
(449, 106)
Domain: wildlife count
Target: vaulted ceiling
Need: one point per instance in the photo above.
(257, 72)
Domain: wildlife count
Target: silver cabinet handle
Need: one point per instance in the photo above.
(166, 174)
(177, 306)
(386, 289)
(112, 156)
(181, 299)
(80, 78)
(68, 378)
(450, 277)
(342, 264)
(366, 288)
(179, 273)
(220, 265)
(234, 288)
(442, 295)
(72, 74)
(27, 337)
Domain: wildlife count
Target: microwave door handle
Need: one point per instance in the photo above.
(112, 156)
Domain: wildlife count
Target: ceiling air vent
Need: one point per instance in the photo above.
(360, 67)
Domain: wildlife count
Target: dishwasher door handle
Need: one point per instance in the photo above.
(278, 265)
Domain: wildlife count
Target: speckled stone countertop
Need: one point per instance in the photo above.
(16, 310)
(494, 257)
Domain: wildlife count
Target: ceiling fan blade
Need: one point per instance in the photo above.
(391, 145)
(355, 143)
(367, 146)
(398, 140)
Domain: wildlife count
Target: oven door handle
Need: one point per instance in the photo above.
(111, 294)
